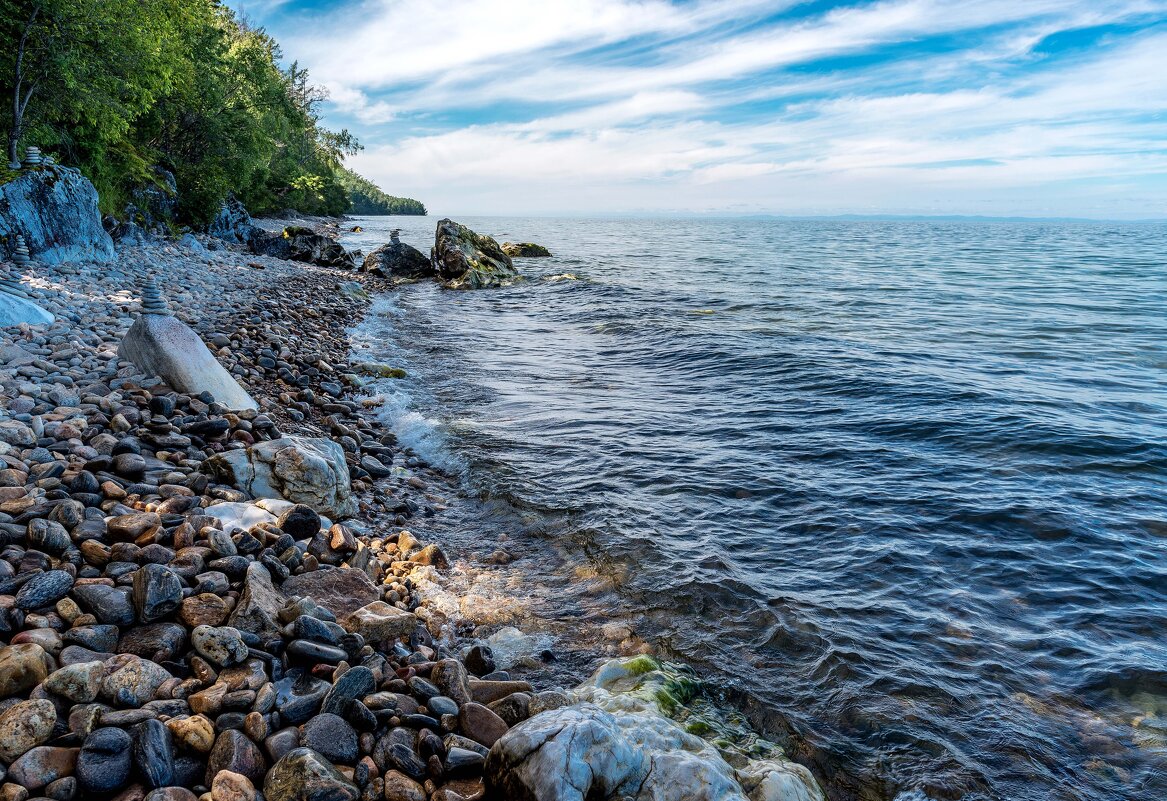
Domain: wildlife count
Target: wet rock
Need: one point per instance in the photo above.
(260, 603)
(22, 667)
(304, 775)
(480, 724)
(398, 260)
(24, 726)
(111, 605)
(525, 250)
(331, 737)
(399, 787)
(233, 751)
(153, 753)
(104, 762)
(132, 681)
(193, 732)
(461, 762)
(299, 696)
(480, 660)
(301, 522)
(204, 609)
(171, 794)
(157, 592)
(78, 683)
(158, 642)
(48, 536)
(222, 645)
(42, 765)
(44, 589)
(231, 786)
(452, 678)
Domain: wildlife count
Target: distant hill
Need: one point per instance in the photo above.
(367, 197)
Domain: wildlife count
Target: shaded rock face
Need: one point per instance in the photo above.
(232, 223)
(301, 244)
(166, 347)
(525, 250)
(303, 470)
(466, 260)
(55, 208)
(398, 260)
(155, 205)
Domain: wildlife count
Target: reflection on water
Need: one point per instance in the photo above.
(900, 487)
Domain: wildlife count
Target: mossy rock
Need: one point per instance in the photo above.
(525, 250)
(380, 370)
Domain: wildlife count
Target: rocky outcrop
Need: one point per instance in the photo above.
(232, 223)
(466, 260)
(398, 260)
(300, 469)
(525, 250)
(55, 208)
(154, 206)
(297, 243)
(159, 344)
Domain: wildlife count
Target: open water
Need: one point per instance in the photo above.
(899, 487)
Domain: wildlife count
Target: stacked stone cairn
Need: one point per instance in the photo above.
(33, 157)
(152, 300)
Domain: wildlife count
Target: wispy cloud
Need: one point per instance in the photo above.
(902, 105)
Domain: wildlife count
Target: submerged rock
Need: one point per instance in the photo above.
(525, 250)
(300, 469)
(466, 260)
(55, 208)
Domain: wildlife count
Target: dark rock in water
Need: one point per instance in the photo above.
(466, 260)
(157, 592)
(332, 737)
(525, 250)
(232, 223)
(304, 775)
(153, 753)
(44, 590)
(104, 761)
(398, 260)
(55, 209)
(301, 244)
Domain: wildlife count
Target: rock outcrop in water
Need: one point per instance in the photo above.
(55, 208)
(525, 250)
(466, 260)
(398, 260)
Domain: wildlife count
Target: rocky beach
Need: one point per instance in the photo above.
(222, 599)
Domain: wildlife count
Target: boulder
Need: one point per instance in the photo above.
(15, 311)
(466, 260)
(339, 590)
(154, 206)
(304, 775)
(232, 223)
(55, 208)
(398, 260)
(297, 243)
(304, 470)
(159, 344)
(525, 250)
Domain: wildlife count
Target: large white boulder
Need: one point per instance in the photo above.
(14, 311)
(614, 743)
(161, 345)
(55, 209)
(299, 469)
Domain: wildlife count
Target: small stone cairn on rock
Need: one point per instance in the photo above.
(152, 301)
(10, 283)
(21, 256)
(33, 157)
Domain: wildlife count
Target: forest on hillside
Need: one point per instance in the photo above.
(120, 88)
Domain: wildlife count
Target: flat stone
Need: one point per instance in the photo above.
(204, 609)
(111, 605)
(44, 590)
(338, 590)
(378, 622)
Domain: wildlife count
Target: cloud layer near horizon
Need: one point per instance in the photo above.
(1041, 107)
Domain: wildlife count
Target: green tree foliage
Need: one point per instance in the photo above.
(367, 198)
(118, 86)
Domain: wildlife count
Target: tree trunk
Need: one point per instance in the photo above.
(19, 104)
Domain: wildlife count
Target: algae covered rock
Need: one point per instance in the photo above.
(306, 470)
(525, 250)
(55, 209)
(398, 260)
(466, 260)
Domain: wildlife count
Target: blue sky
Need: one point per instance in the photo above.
(994, 107)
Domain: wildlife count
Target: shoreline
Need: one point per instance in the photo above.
(249, 306)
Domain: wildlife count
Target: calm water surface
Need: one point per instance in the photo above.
(900, 488)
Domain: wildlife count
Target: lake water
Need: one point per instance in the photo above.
(898, 488)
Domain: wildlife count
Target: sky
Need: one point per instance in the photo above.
(983, 107)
